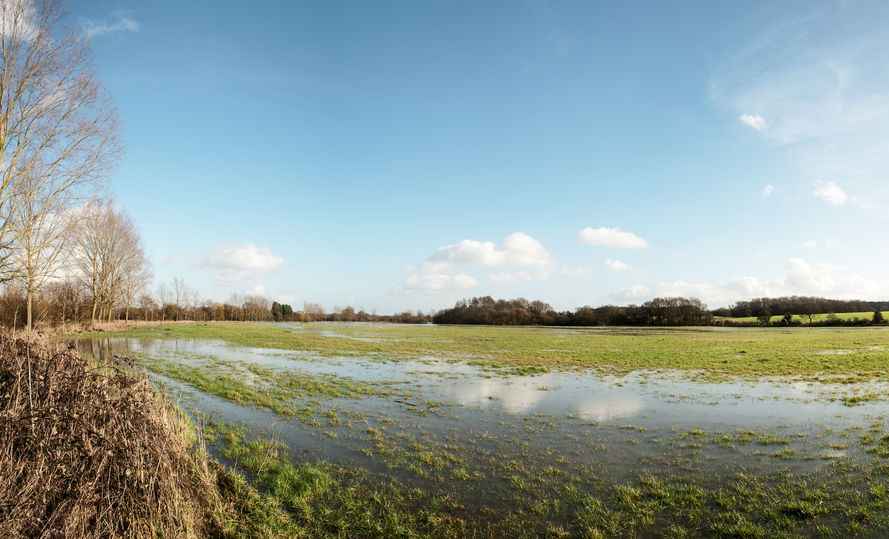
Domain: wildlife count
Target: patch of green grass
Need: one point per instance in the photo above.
(322, 499)
(283, 392)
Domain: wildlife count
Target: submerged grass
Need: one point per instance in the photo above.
(286, 393)
(322, 499)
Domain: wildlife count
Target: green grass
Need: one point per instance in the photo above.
(410, 482)
(854, 354)
(322, 499)
(287, 393)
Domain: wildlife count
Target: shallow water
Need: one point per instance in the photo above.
(579, 421)
(654, 399)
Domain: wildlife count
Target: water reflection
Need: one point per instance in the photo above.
(652, 400)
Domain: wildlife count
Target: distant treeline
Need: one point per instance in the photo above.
(657, 312)
(672, 311)
(312, 312)
(69, 301)
(798, 305)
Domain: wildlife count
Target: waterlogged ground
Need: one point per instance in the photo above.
(388, 442)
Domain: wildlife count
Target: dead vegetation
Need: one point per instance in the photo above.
(93, 451)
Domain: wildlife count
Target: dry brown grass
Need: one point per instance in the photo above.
(93, 451)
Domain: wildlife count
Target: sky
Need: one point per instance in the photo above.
(404, 155)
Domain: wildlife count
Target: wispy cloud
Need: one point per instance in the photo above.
(767, 191)
(816, 87)
(115, 23)
(831, 193)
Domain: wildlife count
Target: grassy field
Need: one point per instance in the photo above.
(802, 353)
(328, 455)
(801, 319)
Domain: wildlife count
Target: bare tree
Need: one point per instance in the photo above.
(180, 294)
(134, 285)
(148, 305)
(109, 257)
(57, 135)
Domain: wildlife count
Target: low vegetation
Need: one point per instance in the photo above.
(93, 451)
(287, 393)
(322, 499)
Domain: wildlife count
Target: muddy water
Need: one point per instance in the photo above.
(580, 422)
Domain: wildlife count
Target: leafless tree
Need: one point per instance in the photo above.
(58, 136)
(108, 255)
(180, 294)
(134, 285)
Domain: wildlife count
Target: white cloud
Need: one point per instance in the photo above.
(576, 271)
(521, 258)
(435, 277)
(511, 276)
(801, 275)
(470, 252)
(117, 23)
(633, 294)
(257, 290)
(754, 121)
(518, 249)
(242, 267)
(246, 257)
(831, 193)
(617, 265)
(768, 190)
(810, 244)
(611, 237)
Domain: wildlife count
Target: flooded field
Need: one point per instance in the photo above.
(492, 449)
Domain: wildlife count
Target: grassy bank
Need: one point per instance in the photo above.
(91, 450)
(803, 353)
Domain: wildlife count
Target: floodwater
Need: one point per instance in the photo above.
(611, 428)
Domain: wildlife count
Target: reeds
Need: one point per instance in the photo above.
(94, 451)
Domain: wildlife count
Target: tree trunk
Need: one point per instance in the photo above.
(30, 299)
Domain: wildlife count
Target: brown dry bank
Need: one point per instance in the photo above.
(88, 451)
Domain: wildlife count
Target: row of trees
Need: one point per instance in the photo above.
(657, 312)
(58, 138)
(98, 268)
(109, 285)
(806, 306)
(672, 311)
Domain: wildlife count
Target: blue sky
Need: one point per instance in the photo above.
(401, 155)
